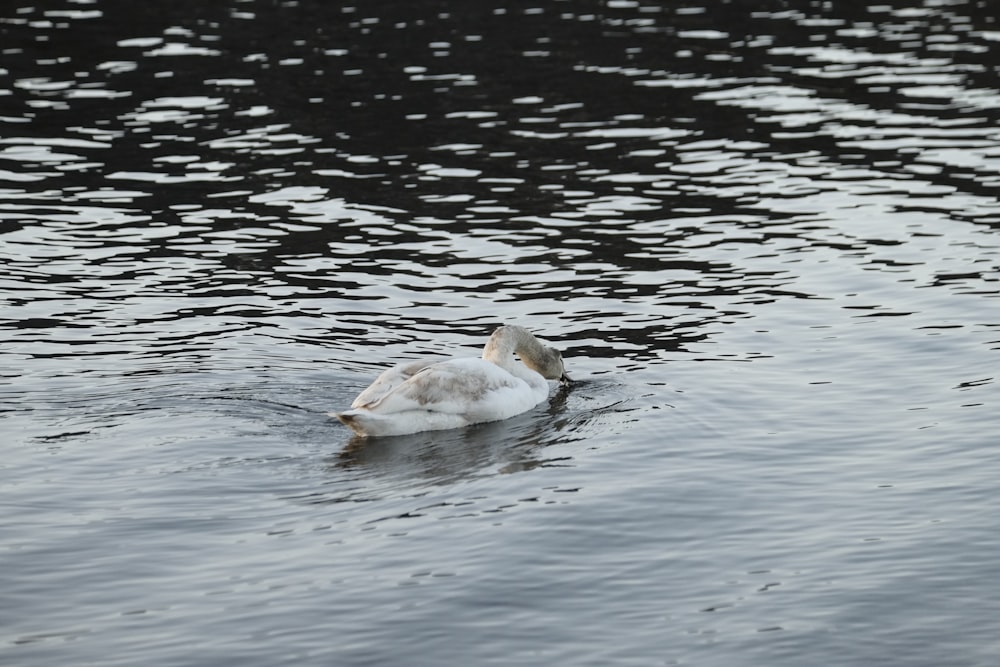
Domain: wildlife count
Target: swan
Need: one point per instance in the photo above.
(430, 395)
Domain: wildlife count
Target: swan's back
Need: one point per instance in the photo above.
(389, 380)
(447, 394)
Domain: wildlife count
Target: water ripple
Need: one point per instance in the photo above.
(765, 238)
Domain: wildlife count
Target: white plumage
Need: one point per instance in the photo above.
(431, 395)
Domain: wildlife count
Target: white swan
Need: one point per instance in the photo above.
(431, 395)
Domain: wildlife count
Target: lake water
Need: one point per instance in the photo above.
(765, 235)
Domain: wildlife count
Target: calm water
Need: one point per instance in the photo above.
(766, 236)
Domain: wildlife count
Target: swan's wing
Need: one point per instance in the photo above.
(389, 380)
(456, 386)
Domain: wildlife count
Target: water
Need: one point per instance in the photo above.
(764, 234)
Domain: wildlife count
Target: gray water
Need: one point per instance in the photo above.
(765, 235)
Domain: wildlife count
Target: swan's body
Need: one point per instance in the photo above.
(431, 395)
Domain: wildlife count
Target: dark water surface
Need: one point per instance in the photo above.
(766, 236)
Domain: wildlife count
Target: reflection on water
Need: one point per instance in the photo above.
(668, 179)
(451, 456)
(765, 234)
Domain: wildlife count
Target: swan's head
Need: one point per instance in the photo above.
(549, 364)
(544, 360)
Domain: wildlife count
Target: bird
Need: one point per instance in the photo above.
(431, 395)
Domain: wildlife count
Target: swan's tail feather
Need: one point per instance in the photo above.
(366, 423)
(354, 420)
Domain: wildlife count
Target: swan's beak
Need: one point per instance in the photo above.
(565, 379)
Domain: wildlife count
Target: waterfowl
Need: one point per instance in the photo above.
(431, 395)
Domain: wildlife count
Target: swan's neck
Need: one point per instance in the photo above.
(508, 341)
